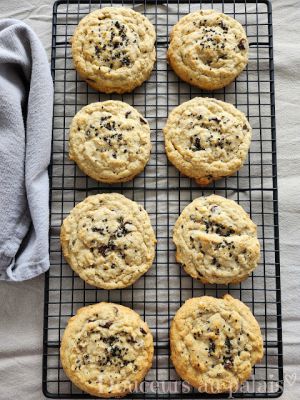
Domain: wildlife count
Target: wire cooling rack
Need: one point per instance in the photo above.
(164, 193)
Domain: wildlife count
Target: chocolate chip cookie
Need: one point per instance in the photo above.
(113, 49)
(216, 241)
(106, 349)
(208, 49)
(110, 141)
(207, 139)
(108, 240)
(215, 343)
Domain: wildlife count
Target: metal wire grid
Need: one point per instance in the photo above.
(164, 193)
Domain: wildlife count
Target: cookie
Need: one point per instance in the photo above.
(113, 49)
(207, 139)
(110, 141)
(108, 240)
(208, 49)
(216, 241)
(106, 349)
(215, 343)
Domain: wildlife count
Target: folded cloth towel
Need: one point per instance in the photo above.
(26, 100)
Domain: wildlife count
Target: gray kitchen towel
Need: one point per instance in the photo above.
(26, 100)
